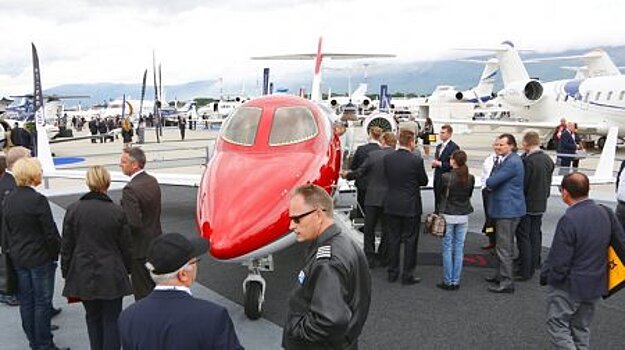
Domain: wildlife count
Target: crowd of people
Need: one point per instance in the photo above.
(108, 251)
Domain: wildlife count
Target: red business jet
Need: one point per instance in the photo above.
(267, 147)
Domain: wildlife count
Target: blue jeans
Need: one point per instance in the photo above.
(35, 287)
(453, 252)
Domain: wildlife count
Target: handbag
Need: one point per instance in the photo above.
(435, 223)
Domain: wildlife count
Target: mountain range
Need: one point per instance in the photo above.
(419, 77)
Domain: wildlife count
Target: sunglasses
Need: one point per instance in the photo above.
(297, 218)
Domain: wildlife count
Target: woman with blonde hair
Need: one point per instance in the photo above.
(95, 258)
(33, 243)
(455, 206)
(127, 132)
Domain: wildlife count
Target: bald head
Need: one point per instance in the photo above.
(576, 184)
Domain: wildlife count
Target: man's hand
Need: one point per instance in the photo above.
(436, 164)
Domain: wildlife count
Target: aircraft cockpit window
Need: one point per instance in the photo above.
(242, 126)
(292, 125)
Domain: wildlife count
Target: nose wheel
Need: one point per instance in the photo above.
(254, 287)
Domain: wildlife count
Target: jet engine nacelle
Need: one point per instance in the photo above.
(450, 95)
(523, 93)
(383, 120)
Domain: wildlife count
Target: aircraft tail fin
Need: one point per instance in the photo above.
(360, 91)
(487, 80)
(605, 168)
(315, 93)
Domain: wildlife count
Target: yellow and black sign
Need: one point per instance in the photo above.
(616, 268)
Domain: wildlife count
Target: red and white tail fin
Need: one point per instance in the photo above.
(315, 93)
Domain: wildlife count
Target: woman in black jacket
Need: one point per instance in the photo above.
(95, 258)
(32, 242)
(456, 206)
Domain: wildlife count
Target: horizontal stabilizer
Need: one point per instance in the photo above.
(311, 56)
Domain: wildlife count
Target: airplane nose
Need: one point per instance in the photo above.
(245, 199)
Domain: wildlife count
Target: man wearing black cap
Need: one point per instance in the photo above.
(170, 317)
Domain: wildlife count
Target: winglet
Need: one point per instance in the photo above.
(605, 168)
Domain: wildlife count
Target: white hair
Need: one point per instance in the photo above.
(163, 279)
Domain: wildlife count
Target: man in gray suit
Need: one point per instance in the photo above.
(141, 201)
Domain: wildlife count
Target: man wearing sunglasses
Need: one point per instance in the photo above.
(170, 317)
(330, 301)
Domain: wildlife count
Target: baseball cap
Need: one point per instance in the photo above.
(171, 251)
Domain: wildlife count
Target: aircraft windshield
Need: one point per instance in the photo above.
(292, 125)
(242, 126)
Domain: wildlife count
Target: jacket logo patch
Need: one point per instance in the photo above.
(301, 277)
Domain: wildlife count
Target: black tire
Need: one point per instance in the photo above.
(253, 306)
(601, 142)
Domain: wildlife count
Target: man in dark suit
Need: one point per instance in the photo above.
(566, 148)
(141, 201)
(577, 265)
(538, 169)
(441, 160)
(360, 156)
(373, 169)
(405, 174)
(170, 317)
(506, 204)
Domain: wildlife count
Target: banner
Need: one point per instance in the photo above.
(145, 75)
(265, 81)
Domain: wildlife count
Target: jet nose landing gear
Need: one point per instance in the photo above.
(254, 287)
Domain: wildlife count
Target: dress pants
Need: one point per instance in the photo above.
(142, 283)
(402, 228)
(101, 317)
(505, 250)
(568, 320)
(492, 238)
(373, 215)
(529, 242)
(360, 197)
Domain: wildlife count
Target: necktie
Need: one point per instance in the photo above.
(495, 164)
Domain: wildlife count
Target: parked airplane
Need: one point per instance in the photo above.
(482, 92)
(595, 103)
(358, 98)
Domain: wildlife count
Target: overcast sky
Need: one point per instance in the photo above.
(88, 41)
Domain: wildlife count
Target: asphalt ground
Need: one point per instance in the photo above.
(409, 317)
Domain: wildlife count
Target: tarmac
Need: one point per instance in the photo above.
(400, 317)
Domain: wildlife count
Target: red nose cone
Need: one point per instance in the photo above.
(244, 197)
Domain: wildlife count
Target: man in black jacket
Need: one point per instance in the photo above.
(329, 304)
(441, 160)
(170, 318)
(373, 169)
(538, 168)
(405, 174)
(360, 156)
(141, 201)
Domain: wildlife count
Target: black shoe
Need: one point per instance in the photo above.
(492, 279)
(57, 348)
(455, 286)
(522, 278)
(410, 280)
(498, 289)
(54, 327)
(445, 286)
(11, 301)
(55, 312)
(392, 277)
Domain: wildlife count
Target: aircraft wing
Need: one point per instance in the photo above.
(521, 125)
(334, 56)
(186, 180)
